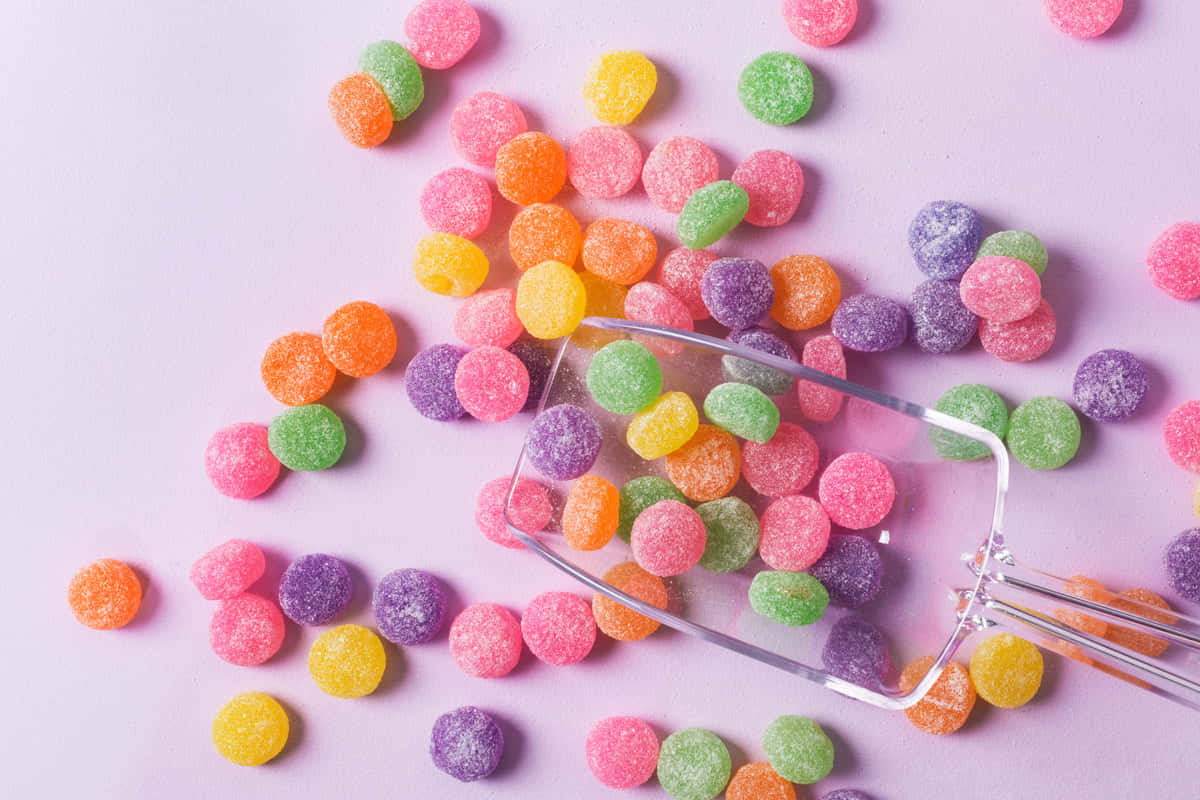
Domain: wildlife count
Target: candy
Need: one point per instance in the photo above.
(591, 513)
(227, 569)
(361, 110)
(550, 300)
(485, 640)
(1087, 589)
(682, 273)
(622, 752)
(359, 339)
(563, 442)
(624, 377)
(649, 302)
(731, 534)
(807, 292)
(710, 212)
(742, 410)
(1000, 289)
(449, 264)
(976, 404)
(604, 299)
(482, 123)
(946, 706)
(767, 380)
(820, 403)
(105, 594)
(667, 538)
(850, 569)
(795, 530)
(315, 589)
(774, 183)
(307, 438)
(782, 465)
(397, 73)
(1020, 245)
(789, 598)
(1182, 562)
(1023, 340)
(693, 764)
(529, 509)
(738, 292)
(604, 162)
(538, 364)
(491, 383)
(558, 628)
(821, 23)
(941, 323)
(409, 606)
(246, 630)
(429, 382)
(1043, 433)
(466, 744)
(619, 251)
(944, 237)
(1138, 641)
(759, 781)
(776, 88)
(1181, 434)
(846, 794)
(1174, 261)
(295, 369)
(639, 494)
(618, 86)
(707, 466)
(1110, 385)
(870, 324)
(457, 201)
(544, 232)
(1083, 18)
(855, 651)
(676, 168)
(798, 749)
(1006, 671)
(347, 661)
(239, 461)
(663, 427)
(856, 490)
(250, 729)
(441, 32)
(621, 622)
(530, 168)
(489, 319)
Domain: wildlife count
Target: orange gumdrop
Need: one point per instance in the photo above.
(105, 594)
(759, 781)
(621, 622)
(945, 708)
(544, 232)
(590, 515)
(807, 292)
(604, 299)
(359, 339)
(618, 250)
(1084, 587)
(530, 168)
(296, 370)
(361, 110)
(1138, 641)
(708, 466)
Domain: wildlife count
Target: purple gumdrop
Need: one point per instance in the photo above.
(466, 744)
(537, 361)
(1183, 564)
(410, 606)
(851, 570)
(941, 323)
(855, 651)
(869, 323)
(944, 237)
(429, 382)
(846, 794)
(738, 292)
(314, 589)
(767, 380)
(1110, 385)
(563, 442)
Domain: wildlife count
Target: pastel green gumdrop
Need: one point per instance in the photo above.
(790, 598)
(397, 73)
(1022, 245)
(711, 212)
(1043, 433)
(624, 377)
(307, 438)
(776, 88)
(693, 764)
(742, 410)
(639, 494)
(731, 534)
(798, 749)
(973, 403)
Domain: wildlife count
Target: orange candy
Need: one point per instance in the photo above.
(105, 594)
(590, 515)
(708, 466)
(623, 623)
(359, 339)
(604, 299)
(759, 781)
(945, 708)
(1137, 641)
(296, 370)
(807, 292)
(544, 232)
(618, 250)
(361, 110)
(1084, 587)
(530, 168)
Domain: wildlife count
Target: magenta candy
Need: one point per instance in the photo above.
(820, 403)
(482, 123)
(856, 490)
(1023, 340)
(738, 292)
(1174, 261)
(1110, 385)
(489, 318)
(246, 630)
(1181, 434)
(821, 23)
(851, 570)
(228, 569)
(491, 383)
(675, 168)
(529, 509)
(238, 461)
(604, 162)
(775, 184)
(558, 628)
(441, 32)
(315, 589)
(429, 382)
(870, 324)
(409, 606)
(941, 323)
(457, 201)
(856, 651)
(1083, 19)
(1001, 289)
(485, 640)
(563, 442)
(649, 302)
(784, 465)
(682, 274)
(793, 533)
(668, 538)
(622, 752)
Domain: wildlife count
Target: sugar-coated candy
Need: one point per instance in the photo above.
(807, 292)
(1021, 245)
(1181, 435)
(776, 88)
(649, 302)
(485, 640)
(227, 569)
(591, 513)
(742, 410)
(1023, 340)
(820, 403)
(604, 299)
(1083, 19)
(624, 377)
(618, 86)
(759, 781)
(550, 300)
(1110, 385)
(482, 123)
(538, 363)
(850, 569)
(944, 237)
(361, 110)
(693, 764)
(676, 168)
(794, 533)
(250, 729)
(622, 752)
(856, 651)
(449, 264)
(639, 494)
(239, 461)
(1006, 671)
(975, 404)
(1174, 261)
(296, 370)
(946, 706)
(663, 427)
(731, 534)
(396, 71)
(457, 201)
(246, 630)
(941, 323)
(466, 744)
(558, 628)
(711, 212)
(604, 162)
(774, 183)
(529, 509)
(544, 232)
(790, 598)
(315, 589)
(1135, 601)
(738, 292)
(1088, 589)
(767, 380)
(707, 466)
(491, 383)
(618, 250)
(530, 168)
(782, 465)
(409, 606)
(619, 621)
(441, 32)
(667, 538)
(856, 490)
(869, 323)
(846, 794)
(798, 749)
(563, 442)
(1043, 433)
(105, 594)
(682, 273)
(1182, 563)
(347, 661)
(307, 438)
(821, 23)
(359, 338)
(429, 382)
(1000, 289)
(489, 319)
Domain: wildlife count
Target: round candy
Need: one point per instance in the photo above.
(529, 509)
(821, 23)
(558, 628)
(491, 383)
(946, 706)
(441, 32)
(347, 661)
(295, 369)
(1136, 601)
(359, 339)
(1088, 589)
(544, 232)
(530, 168)
(774, 183)
(250, 729)
(449, 264)
(624, 377)
(550, 300)
(1021, 245)
(795, 531)
(1174, 261)
(307, 438)
(944, 237)
(767, 380)
(619, 251)
(682, 273)
(668, 538)
(870, 324)
(622, 752)
(429, 382)
(776, 88)
(693, 764)
(409, 606)
(604, 299)
(820, 403)
(1183, 564)
(1006, 671)
(639, 494)
(663, 427)
(1181, 434)
(1023, 340)
(789, 598)
(466, 744)
(731, 534)
(738, 292)
(807, 292)
(246, 630)
(1001, 289)
(742, 410)
(676, 168)
(976, 404)
(649, 302)
(228, 569)
(397, 73)
(239, 461)
(361, 110)
(782, 465)
(1110, 385)
(563, 442)
(485, 640)
(798, 749)
(707, 466)
(856, 490)
(457, 201)
(105, 594)
(315, 589)
(619, 621)
(941, 323)
(1043, 433)
(482, 123)
(855, 651)
(759, 781)
(538, 364)
(489, 319)
(850, 569)
(591, 513)
(711, 212)
(1083, 18)
(604, 162)
(618, 86)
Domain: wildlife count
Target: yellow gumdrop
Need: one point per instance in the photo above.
(551, 300)
(664, 427)
(1006, 671)
(250, 729)
(604, 299)
(1197, 501)
(619, 85)
(449, 264)
(347, 661)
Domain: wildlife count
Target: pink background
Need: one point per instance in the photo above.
(177, 197)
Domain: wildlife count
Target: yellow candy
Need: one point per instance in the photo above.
(550, 300)
(1198, 501)
(1006, 671)
(619, 85)
(604, 299)
(250, 729)
(664, 427)
(347, 661)
(449, 264)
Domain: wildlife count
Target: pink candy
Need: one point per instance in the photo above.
(246, 630)
(1083, 18)
(794, 532)
(558, 628)
(682, 274)
(489, 318)
(675, 168)
(1181, 434)
(820, 23)
(775, 184)
(457, 201)
(649, 302)
(667, 538)
(820, 403)
(1174, 261)
(238, 461)
(228, 569)
(1022, 340)
(782, 466)
(1001, 289)
(441, 32)
(482, 124)
(856, 490)
(485, 640)
(491, 383)
(622, 752)
(530, 509)
(604, 162)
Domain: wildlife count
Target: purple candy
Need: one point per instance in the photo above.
(941, 323)
(537, 361)
(563, 442)
(1110, 385)
(869, 323)
(314, 589)
(851, 570)
(466, 744)
(1183, 564)
(410, 606)
(846, 794)
(944, 237)
(855, 651)
(767, 380)
(738, 292)
(429, 382)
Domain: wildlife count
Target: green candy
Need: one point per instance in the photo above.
(694, 764)
(790, 598)
(742, 410)
(397, 73)
(624, 377)
(1043, 433)
(307, 438)
(798, 749)
(1022, 245)
(639, 494)
(973, 403)
(711, 212)
(776, 88)
(731, 534)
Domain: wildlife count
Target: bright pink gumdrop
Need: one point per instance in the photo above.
(775, 184)
(1023, 340)
(783, 465)
(485, 640)
(622, 752)
(246, 630)
(457, 201)
(604, 162)
(668, 538)
(856, 490)
(1000, 289)
(441, 32)
(1174, 261)
(491, 383)
(649, 302)
(1083, 18)
(482, 124)
(228, 569)
(675, 168)
(820, 403)
(530, 509)
(821, 23)
(489, 318)
(558, 628)
(793, 533)
(239, 462)
(1181, 433)
(682, 274)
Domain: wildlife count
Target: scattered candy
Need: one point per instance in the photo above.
(870, 324)
(1020, 245)
(397, 73)
(707, 466)
(941, 323)
(782, 465)
(1110, 385)
(1001, 289)
(530, 168)
(246, 630)
(591, 513)
(359, 339)
(675, 169)
(228, 569)
(731, 534)
(619, 251)
(855, 651)
(544, 232)
(1084, 587)
(409, 606)
(250, 729)
(776, 88)
(618, 86)
(1023, 340)
(550, 300)
(621, 622)
(738, 292)
(347, 661)
(649, 302)
(944, 237)
(105, 594)
(682, 273)
(466, 744)
(239, 461)
(295, 369)
(851, 570)
(622, 752)
(711, 212)
(663, 427)
(1043, 433)
(1083, 19)
(485, 640)
(759, 781)
(856, 490)
(774, 183)
(1137, 641)
(604, 162)
(1006, 671)
(743, 411)
(361, 110)
(529, 509)
(441, 32)
(482, 123)
(538, 364)
(491, 383)
(1183, 564)
(668, 538)
(693, 764)
(563, 442)
(429, 382)
(457, 201)
(946, 706)
(976, 404)
(767, 380)
(449, 264)
(1174, 261)
(807, 292)
(624, 377)
(604, 299)
(489, 319)
(790, 598)
(820, 403)
(821, 23)
(558, 628)
(639, 494)
(1181, 434)
(315, 589)
(795, 531)
(307, 438)
(798, 749)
